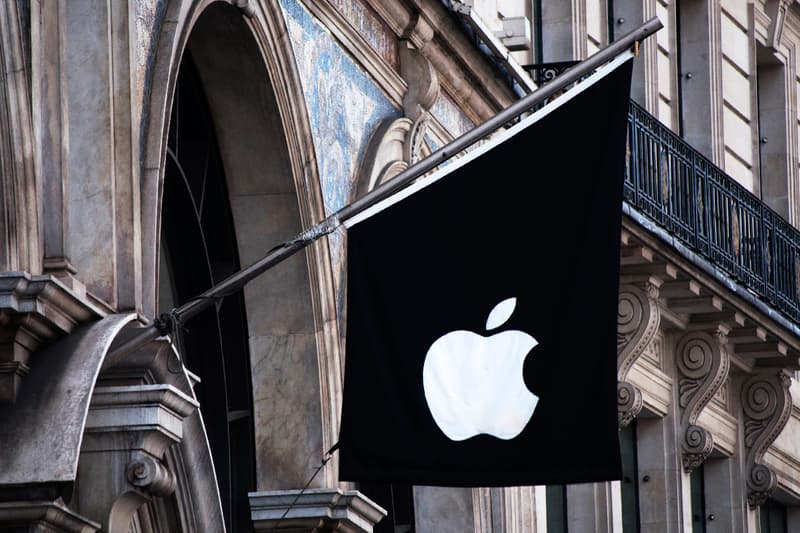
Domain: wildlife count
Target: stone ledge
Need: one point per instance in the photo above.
(49, 516)
(150, 415)
(327, 509)
(34, 311)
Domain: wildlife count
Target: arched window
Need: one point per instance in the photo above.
(198, 250)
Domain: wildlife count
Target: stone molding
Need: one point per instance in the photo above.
(703, 364)
(396, 144)
(44, 516)
(326, 509)
(638, 319)
(122, 466)
(766, 406)
(776, 11)
(34, 310)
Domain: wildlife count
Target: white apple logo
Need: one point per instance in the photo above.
(473, 384)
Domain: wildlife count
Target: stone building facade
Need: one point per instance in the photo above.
(151, 148)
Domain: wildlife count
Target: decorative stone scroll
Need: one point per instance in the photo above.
(767, 404)
(703, 365)
(638, 318)
(397, 143)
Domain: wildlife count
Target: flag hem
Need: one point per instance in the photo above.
(425, 181)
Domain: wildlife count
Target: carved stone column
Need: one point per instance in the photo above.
(766, 404)
(703, 364)
(638, 318)
(128, 431)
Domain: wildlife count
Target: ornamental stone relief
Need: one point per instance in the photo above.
(638, 318)
(767, 405)
(397, 143)
(703, 364)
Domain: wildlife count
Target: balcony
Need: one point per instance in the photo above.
(681, 191)
(678, 189)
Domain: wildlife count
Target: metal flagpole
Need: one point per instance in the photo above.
(169, 321)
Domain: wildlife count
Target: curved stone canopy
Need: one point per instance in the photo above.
(48, 417)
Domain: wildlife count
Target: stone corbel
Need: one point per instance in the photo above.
(776, 11)
(638, 319)
(34, 310)
(703, 365)
(397, 143)
(423, 90)
(127, 434)
(766, 404)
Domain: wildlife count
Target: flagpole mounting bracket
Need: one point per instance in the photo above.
(166, 323)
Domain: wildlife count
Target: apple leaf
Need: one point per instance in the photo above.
(500, 313)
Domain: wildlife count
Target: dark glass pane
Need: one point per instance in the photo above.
(398, 500)
(630, 479)
(200, 250)
(773, 517)
(556, 508)
(697, 488)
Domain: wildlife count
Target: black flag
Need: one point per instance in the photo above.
(482, 309)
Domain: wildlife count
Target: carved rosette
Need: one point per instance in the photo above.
(703, 364)
(638, 318)
(766, 404)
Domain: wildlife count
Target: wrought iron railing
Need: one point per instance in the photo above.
(541, 73)
(672, 184)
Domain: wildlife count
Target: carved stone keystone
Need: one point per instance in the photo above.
(638, 319)
(766, 404)
(703, 365)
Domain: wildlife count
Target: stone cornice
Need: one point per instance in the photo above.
(713, 280)
(51, 308)
(34, 311)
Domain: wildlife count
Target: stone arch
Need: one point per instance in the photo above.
(265, 140)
